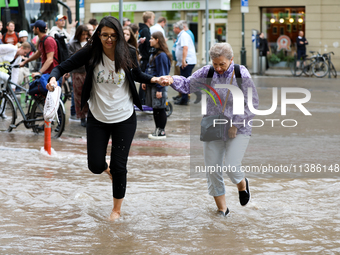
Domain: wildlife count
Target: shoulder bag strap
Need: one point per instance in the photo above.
(238, 75)
(226, 99)
(211, 73)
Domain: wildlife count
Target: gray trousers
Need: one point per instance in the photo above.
(219, 157)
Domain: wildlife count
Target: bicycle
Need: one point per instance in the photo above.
(320, 67)
(148, 109)
(34, 118)
(304, 65)
(66, 91)
(332, 70)
(315, 65)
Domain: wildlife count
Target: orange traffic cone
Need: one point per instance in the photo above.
(47, 143)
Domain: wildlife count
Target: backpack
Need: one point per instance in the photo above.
(237, 74)
(61, 45)
(4, 36)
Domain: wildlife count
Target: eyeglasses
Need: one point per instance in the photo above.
(106, 37)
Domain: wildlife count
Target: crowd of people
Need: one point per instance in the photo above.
(105, 60)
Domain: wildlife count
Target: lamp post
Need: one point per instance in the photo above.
(244, 9)
(77, 12)
(121, 12)
(243, 49)
(207, 32)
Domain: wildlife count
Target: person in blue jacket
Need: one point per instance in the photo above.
(156, 95)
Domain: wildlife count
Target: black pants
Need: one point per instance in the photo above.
(159, 116)
(141, 92)
(301, 53)
(98, 135)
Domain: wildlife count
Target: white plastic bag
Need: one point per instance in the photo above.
(52, 104)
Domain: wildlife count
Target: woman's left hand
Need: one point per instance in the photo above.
(232, 132)
(159, 94)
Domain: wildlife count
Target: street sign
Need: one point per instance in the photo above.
(244, 6)
(81, 4)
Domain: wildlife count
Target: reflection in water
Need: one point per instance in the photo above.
(58, 206)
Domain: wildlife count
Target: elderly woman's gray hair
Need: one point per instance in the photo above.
(221, 49)
(179, 25)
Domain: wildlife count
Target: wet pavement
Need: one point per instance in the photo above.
(54, 205)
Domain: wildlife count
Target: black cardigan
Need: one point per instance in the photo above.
(83, 56)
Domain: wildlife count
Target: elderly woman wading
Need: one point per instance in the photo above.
(229, 150)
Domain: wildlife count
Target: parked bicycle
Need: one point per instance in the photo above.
(332, 70)
(320, 67)
(298, 66)
(314, 65)
(34, 118)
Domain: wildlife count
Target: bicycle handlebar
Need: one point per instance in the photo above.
(8, 66)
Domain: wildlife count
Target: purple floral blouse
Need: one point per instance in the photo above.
(195, 81)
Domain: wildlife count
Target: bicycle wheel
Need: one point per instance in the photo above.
(307, 67)
(65, 92)
(168, 109)
(57, 123)
(299, 68)
(333, 70)
(292, 67)
(320, 69)
(7, 113)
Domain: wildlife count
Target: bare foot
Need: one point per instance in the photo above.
(114, 215)
(108, 172)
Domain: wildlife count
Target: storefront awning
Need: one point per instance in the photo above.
(160, 6)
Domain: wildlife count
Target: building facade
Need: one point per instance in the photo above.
(280, 21)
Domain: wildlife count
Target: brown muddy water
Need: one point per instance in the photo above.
(54, 205)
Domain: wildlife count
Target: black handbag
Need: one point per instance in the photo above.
(213, 126)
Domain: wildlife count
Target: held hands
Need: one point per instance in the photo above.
(52, 84)
(166, 80)
(163, 80)
(143, 86)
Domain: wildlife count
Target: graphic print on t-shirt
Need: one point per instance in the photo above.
(112, 78)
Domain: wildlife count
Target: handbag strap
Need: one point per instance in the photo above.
(226, 99)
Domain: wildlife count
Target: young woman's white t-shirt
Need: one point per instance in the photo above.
(111, 100)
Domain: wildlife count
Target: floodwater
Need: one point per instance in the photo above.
(54, 205)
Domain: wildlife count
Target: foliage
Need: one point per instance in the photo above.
(274, 59)
(280, 56)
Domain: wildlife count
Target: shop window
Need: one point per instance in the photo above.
(282, 30)
(282, 21)
(275, 30)
(294, 28)
(289, 28)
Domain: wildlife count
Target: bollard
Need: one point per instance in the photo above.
(47, 143)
